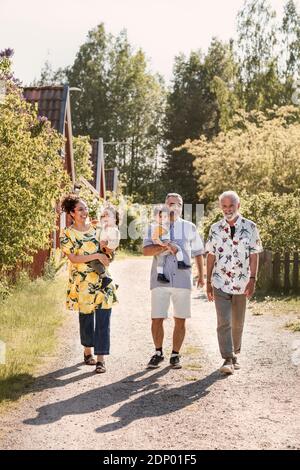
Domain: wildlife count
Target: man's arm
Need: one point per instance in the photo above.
(152, 250)
(199, 264)
(210, 261)
(250, 287)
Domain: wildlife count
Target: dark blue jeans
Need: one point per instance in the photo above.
(95, 330)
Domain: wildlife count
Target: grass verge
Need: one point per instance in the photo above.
(279, 306)
(29, 321)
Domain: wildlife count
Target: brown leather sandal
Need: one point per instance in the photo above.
(89, 360)
(100, 368)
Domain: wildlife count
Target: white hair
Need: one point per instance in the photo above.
(174, 195)
(231, 194)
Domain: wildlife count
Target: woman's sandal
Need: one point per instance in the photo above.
(89, 360)
(100, 368)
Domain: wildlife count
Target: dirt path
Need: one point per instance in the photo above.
(192, 408)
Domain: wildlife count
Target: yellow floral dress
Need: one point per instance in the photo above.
(84, 292)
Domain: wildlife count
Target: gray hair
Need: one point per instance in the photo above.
(231, 194)
(174, 195)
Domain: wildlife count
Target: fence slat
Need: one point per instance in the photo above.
(296, 273)
(276, 272)
(287, 284)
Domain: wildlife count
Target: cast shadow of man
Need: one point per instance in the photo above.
(160, 402)
(154, 400)
(98, 398)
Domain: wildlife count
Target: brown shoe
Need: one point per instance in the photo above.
(236, 364)
(227, 367)
(100, 368)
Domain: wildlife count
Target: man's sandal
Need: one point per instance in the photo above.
(89, 360)
(100, 368)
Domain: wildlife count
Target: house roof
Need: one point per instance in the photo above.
(52, 103)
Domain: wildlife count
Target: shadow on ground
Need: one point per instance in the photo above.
(152, 400)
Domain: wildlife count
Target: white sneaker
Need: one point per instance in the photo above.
(227, 367)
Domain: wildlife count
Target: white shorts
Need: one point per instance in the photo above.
(160, 302)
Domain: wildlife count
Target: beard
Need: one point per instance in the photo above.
(230, 217)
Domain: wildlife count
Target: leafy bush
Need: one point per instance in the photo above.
(32, 176)
(82, 154)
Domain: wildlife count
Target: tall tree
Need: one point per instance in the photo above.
(257, 50)
(290, 30)
(290, 50)
(121, 101)
(202, 93)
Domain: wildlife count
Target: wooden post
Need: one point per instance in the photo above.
(287, 284)
(296, 273)
(265, 277)
(276, 272)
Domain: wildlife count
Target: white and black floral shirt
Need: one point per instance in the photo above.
(231, 271)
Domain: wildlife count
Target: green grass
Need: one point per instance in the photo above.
(293, 325)
(275, 305)
(279, 306)
(29, 320)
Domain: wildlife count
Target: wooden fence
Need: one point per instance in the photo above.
(280, 272)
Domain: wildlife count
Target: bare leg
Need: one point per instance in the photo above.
(178, 333)
(157, 330)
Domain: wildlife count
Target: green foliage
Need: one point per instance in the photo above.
(278, 219)
(256, 52)
(82, 157)
(133, 219)
(261, 155)
(32, 176)
(268, 53)
(290, 41)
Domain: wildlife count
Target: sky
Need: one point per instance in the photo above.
(54, 30)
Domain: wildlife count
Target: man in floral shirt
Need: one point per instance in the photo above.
(232, 263)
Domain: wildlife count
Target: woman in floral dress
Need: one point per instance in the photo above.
(85, 293)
